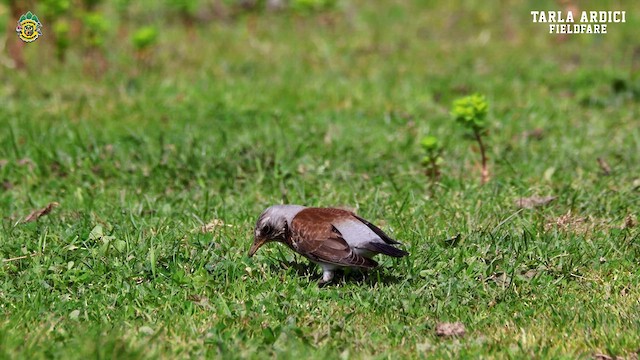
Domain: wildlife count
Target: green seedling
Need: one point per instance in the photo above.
(97, 29)
(62, 41)
(471, 111)
(186, 10)
(144, 39)
(433, 157)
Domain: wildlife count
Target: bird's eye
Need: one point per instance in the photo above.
(266, 229)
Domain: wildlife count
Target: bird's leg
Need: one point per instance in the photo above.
(327, 276)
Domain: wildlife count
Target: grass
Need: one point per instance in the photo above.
(324, 110)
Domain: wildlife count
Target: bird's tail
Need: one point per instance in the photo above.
(386, 249)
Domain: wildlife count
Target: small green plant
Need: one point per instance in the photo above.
(124, 19)
(97, 29)
(54, 8)
(143, 40)
(186, 10)
(433, 156)
(471, 111)
(62, 40)
(57, 12)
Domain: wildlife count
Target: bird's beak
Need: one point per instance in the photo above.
(256, 245)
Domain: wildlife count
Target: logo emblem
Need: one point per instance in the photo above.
(29, 27)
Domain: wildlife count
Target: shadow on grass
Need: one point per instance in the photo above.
(312, 271)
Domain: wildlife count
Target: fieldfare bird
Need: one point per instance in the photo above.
(332, 238)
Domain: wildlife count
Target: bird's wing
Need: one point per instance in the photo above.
(314, 237)
(361, 237)
(377, 231)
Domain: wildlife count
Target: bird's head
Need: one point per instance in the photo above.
(272, 225)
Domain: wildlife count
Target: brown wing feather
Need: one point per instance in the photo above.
(314, 237)
(334, 214)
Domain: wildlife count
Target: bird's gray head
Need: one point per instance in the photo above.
(272, 225)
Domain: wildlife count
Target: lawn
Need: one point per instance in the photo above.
(160, 166)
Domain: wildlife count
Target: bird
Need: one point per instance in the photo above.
(330, 237)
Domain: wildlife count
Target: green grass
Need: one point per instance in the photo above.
(324, 110)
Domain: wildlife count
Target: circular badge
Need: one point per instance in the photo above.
(29, 27)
